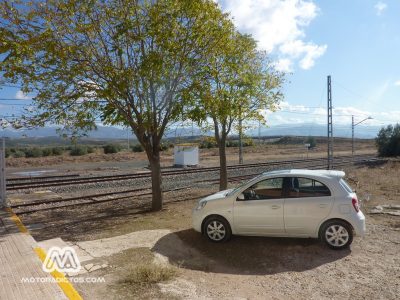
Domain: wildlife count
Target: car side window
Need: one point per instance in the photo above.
(264, 189)
(301, 187)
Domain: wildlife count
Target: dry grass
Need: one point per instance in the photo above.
(377, 185)
(150, 274)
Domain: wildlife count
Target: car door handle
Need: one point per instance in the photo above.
(323, 205)
(275, 206)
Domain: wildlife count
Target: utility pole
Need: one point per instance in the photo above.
(352, 132)
(330, 126)
(3, 174)
(352, 136)
(240, 137)
(127, 136)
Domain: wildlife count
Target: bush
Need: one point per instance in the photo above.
(90, 149)
(57, 151)
(208, 144)
(137, 148)
(33, 152)
(151, 273)
(311, 140)
(18, 154)
(47, 151)
(78, 151)
(388, 141)
(248, 142)
(110, 148)
(164, 147)
(232, 144)
(8, 153)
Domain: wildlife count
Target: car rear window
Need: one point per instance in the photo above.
(346, 186)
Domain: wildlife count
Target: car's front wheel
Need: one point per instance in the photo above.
(217, 229)
(337, 234)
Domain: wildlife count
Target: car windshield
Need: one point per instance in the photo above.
(241, 186)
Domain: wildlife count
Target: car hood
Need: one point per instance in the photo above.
(218, 195)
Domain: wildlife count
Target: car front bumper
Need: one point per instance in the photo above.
(197, 219)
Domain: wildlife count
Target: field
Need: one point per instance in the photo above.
(146, 255)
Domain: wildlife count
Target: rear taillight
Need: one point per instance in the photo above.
(354, 201)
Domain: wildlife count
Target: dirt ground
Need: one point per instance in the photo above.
(245, 267)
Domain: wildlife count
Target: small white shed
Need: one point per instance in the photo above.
(186, 155)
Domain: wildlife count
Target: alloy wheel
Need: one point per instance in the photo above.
(336, 235)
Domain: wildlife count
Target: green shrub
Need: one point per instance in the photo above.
(164, 147)
(90, 149)
(207, 145)
(78, 151)
(47, 151)
(137, 148)
(388, 141)
(111, 148)
(8, 153)
(57, 151)
(18, 154)
(33, 152)
(232, 144)
(311, 140)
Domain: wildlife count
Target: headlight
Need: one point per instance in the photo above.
(201, 205)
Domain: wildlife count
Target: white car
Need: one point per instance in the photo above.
(284, 203)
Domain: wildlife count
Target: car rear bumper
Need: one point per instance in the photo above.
(358, 223)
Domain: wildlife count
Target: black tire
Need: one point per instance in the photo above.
(336, 234)
(217, 229)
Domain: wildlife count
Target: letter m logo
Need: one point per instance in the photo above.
(61, 259)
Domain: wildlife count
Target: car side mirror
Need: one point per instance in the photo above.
(240, 197)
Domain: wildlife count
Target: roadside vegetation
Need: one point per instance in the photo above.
(388, 141)
(34, 152)
(151, 273)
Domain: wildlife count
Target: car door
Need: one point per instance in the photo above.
(307, 202)
(261, 210)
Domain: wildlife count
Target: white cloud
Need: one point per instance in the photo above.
(289, 114)
(283, 65)
(380, 7)
(397, 83)
(278, 26)
(21, 96)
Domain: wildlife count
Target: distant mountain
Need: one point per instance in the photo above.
(109, 132)
(102, 132)
(313, 129)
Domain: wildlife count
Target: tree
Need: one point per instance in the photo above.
(388, 141)
(122, 62)
(237, 84)
(312, 142)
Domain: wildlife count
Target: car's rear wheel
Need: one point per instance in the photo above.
(217, 229)
(337, 234)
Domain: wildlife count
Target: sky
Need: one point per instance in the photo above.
(357, 42)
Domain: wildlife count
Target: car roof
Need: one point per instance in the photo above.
(305, 172)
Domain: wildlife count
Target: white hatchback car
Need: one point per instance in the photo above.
(284, 203)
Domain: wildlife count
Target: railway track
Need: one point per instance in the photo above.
(51, 181)
(45, 205)
(85, 200)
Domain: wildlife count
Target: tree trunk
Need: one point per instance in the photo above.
(156, 182)
(240, 142)
(223, 173)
